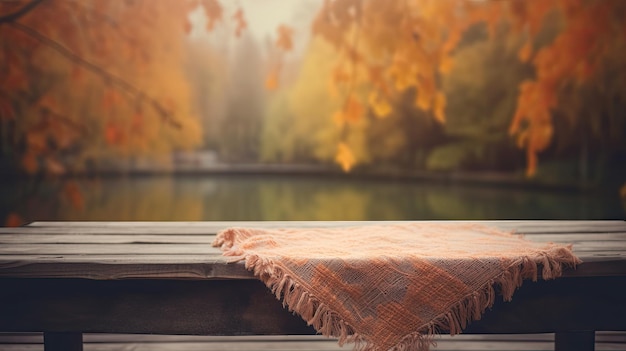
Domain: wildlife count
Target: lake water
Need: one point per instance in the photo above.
(195, 198)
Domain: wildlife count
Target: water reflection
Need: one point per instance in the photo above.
(302, 198)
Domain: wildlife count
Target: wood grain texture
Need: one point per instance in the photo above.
(206, 239)
(246, 307)
(519, 226)
(193, 249)
(194, 307)
(182, 250)
(605, 341)
(165, 278)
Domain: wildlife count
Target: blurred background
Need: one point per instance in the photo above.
(312, 110)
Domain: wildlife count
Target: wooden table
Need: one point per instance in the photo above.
(66, 278)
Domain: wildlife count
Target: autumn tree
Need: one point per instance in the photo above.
(85, 80)
(481, 91)
(385, 47)
(298, 125)
(82, 82)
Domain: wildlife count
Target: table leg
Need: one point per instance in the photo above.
(575, 341)
(63, 341)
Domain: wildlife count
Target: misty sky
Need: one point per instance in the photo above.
(263, 17)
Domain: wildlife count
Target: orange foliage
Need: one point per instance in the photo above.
(77, 84)
(380, 106)
(284, 43)
(397, 45)
(345, 157)
(352, 112)
(113, 134)
(574, 55)
(213, 11)
(388, 47)
(240, 22)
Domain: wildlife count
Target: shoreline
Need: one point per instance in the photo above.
(461, 178)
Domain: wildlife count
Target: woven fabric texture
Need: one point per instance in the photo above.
(391, 287)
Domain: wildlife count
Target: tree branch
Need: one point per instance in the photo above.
(92, 67)
(21, 12)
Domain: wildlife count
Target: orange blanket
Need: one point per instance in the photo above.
(391, 287)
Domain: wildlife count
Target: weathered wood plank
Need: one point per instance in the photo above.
(37, 338)
(286, 346)
(441, 346)
(10, 259)
(100, 271)
(125, 254)
(528, 227)
(575, 341)
(182, 251)
(62, 341)
(576, 238)
(260, 346)
(178, 270)
(99, 249)
(241, 307)
(204, 239)
(188, 249)
(199, 267)
(198, 249)
(118, 342)
(41, 238)
(231, 307)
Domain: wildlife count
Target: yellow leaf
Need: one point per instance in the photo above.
(344, 157)
(379, 105)
(352, 111)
